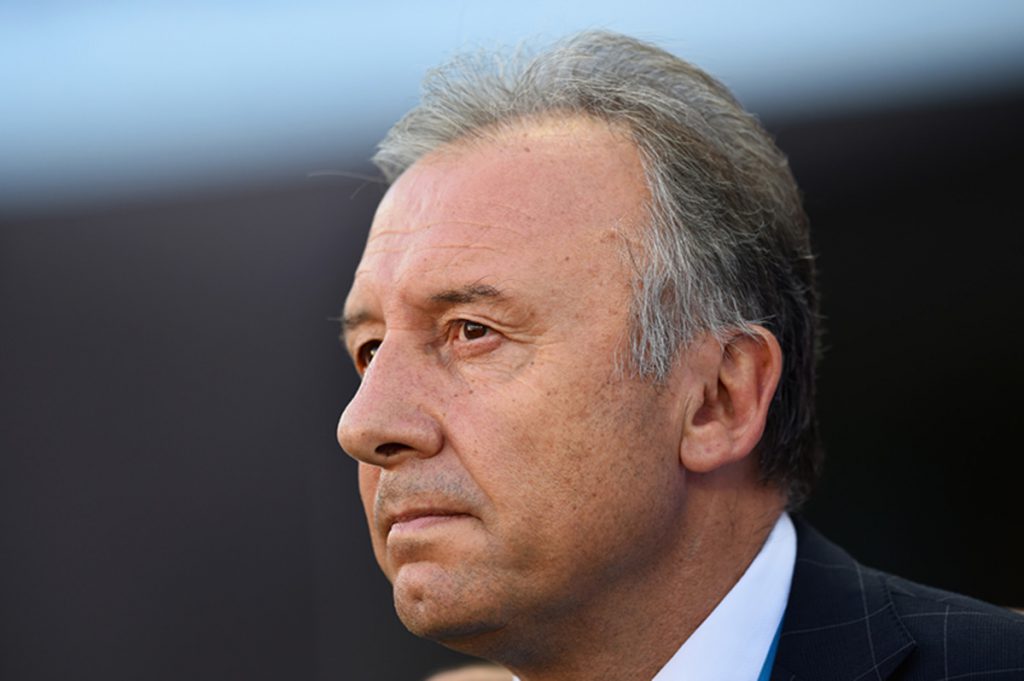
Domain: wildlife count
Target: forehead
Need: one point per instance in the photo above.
(555, 198)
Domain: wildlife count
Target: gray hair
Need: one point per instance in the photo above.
(727, 245)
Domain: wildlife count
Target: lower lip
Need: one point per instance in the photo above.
(424, 521)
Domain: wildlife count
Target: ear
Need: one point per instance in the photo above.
(728, 406)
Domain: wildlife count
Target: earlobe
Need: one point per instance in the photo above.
(734, 384)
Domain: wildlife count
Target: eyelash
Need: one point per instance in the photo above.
(463, 328)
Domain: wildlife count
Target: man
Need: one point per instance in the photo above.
(586, 326)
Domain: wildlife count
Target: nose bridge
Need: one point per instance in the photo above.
(390, 417)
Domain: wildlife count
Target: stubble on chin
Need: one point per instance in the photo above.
(452, 605)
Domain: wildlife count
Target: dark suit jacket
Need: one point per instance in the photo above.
(847, 622)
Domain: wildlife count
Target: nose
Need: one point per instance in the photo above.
(388, 420)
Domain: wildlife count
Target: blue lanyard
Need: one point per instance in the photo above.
(766, 670)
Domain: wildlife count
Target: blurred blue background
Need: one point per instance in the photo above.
(183, 199)
(104, 100)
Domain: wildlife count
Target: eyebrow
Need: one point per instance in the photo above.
(454, 296)
(351, 322)
(466, 294)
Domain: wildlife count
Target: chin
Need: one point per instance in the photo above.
(449, 608)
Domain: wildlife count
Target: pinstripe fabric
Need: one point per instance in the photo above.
(847, 622)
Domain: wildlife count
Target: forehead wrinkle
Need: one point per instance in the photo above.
(520, 210)
(483, 226)
(416, 263)
(467, 247)
(413, 263)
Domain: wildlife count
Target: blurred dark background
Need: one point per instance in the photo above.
(174, 505)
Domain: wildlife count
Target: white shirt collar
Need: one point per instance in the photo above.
(733, 642)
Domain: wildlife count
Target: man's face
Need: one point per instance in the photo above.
(511, 476)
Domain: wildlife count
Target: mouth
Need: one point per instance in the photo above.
(421, 519)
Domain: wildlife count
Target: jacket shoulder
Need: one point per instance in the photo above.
(956, 636)
(849, 622)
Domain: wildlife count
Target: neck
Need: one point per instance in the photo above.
(631, 630)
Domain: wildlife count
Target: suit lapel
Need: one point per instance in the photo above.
(840, 623)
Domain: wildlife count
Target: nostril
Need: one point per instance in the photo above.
(390, 448)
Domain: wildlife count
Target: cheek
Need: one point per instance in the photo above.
(539, 452)
(561, 451)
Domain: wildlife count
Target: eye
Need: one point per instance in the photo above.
(366, 352)
(472, 330)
